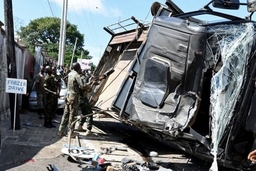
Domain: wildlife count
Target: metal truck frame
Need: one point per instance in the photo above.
(186, 81)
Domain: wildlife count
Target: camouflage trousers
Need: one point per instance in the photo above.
(40, 100)
(86, 109)
(49, 109)
(55, 106)
(70, 111)
(40, 103)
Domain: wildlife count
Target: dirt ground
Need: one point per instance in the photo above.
(107, 133)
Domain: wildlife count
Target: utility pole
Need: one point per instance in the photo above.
(70, 67)
(61, 33)
(11, 59)
(63, 28)
(82, 53)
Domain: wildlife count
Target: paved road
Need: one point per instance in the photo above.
(35, 147)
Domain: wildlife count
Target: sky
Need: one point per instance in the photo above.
(91, 16)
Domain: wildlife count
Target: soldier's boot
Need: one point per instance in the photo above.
(73, 135)
(47, 123)
(88, 132)
(40, 115)
(80, 128)
(61, 133)
(51, 124)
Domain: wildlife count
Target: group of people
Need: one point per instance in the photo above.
(48, 85)
(79, 83)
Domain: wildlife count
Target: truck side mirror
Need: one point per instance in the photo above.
(251, 5)
(226, 4)
(154, 8)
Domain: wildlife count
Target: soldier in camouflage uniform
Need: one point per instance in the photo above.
(84, 102)
(57, 79)
(75, 84)
(39, 83)
(85, 106)
(51, 93)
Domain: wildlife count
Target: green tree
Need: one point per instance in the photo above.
(46, 32)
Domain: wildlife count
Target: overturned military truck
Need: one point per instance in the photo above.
(186, 81)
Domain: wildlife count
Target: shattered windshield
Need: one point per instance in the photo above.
(232, 46)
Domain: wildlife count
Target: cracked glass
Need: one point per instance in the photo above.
(229, 53)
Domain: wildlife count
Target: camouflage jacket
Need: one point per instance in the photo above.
(57, 79)
(49, 83)
(87, 88)
(75, 84)
(39, 80)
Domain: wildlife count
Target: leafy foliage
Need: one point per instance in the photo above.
(46, 32)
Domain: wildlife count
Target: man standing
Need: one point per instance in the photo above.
(75, 84)
(57, 79)
(39, 83)
(84, 102)
(51, 92)
(85, 106)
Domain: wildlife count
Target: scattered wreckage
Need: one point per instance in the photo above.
(186, 81)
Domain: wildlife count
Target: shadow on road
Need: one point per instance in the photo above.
(21, 146)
